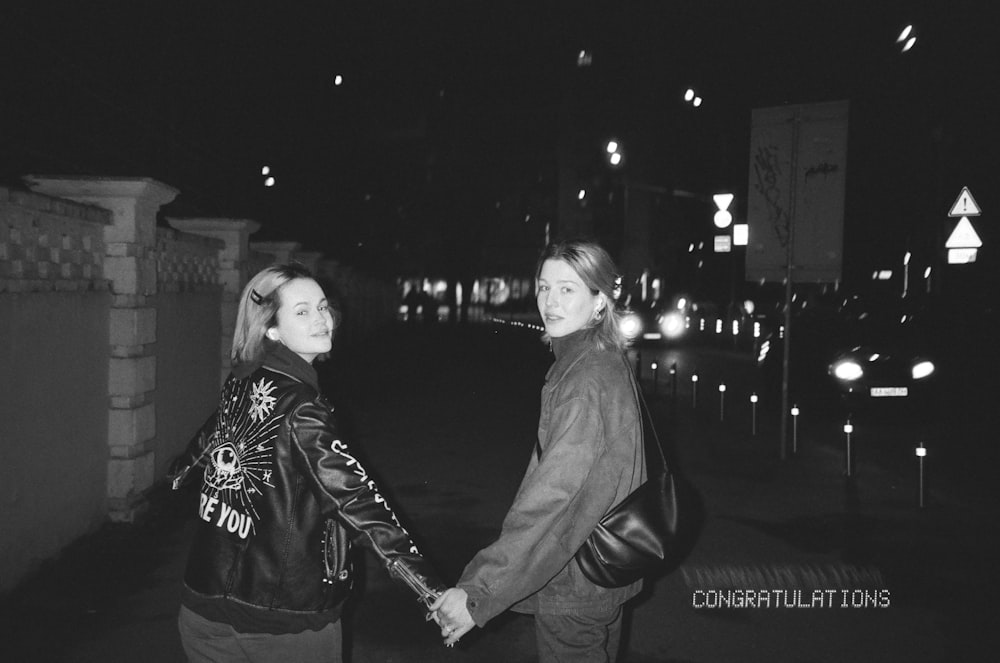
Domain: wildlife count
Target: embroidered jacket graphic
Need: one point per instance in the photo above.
(241, 456)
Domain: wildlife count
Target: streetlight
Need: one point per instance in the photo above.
(906, 38)
(615, 156)
(692, 98)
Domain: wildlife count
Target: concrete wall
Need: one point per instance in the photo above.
(53, 472)
(54, 307)
(188, 308)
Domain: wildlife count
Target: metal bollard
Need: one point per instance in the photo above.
(694, 391)
(722, 402)
(921, 454)
(795, 429)
(848, 429)
(753, 414)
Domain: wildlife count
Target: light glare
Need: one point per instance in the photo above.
(922, 369)
(847, 370)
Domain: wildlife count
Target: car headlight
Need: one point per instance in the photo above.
(847, 370)
(631, 325)
(672, 325)
(922, 369)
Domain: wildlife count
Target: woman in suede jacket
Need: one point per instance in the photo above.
(589, 457)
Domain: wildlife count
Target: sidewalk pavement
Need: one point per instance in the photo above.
(445, 419)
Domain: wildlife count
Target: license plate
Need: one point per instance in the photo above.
(881, 392)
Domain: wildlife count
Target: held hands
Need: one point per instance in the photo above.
(452, 614)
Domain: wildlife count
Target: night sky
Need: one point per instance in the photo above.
(448, 107)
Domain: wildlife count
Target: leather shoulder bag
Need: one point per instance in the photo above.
(638, 534)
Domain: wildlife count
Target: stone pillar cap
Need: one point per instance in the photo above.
(195, 224)
(77, 187)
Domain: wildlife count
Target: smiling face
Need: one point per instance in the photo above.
(564, 302)
(304, 321)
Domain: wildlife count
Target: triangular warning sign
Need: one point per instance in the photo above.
(963, 236)
(965, 205)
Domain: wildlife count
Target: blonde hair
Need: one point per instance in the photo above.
(597, 270)
(258, 309)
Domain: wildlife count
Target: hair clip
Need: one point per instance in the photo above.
(255, 297)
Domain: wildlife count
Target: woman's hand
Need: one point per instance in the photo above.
(452, 613)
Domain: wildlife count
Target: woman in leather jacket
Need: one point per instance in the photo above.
(281, 496)
(589, 457)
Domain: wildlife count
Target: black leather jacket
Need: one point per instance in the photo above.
(282, 498)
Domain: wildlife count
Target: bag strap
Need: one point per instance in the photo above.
(644, 415)
(644, 412)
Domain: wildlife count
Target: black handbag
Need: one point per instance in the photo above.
(634, 538)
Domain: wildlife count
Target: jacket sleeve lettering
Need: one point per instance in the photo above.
(346, 492)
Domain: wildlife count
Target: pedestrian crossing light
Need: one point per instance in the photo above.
(723, 217)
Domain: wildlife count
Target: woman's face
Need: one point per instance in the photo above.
(305, 324)
(564, 302)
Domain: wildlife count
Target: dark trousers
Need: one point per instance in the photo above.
(206, 641)
(590, 636)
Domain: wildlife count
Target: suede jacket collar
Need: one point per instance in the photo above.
(567, 349)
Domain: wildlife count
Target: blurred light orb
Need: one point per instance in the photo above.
(266, 170)
(269, 182)
(630, 326)
(612, 146)
(696, 102)
(672, 325)
(904, 34)
(689, 95)
(338, 80)
(616, 159)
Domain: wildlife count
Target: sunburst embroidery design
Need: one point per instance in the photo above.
(241, 461)
(261, 400)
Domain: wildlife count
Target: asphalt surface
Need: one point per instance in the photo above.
(816, 566)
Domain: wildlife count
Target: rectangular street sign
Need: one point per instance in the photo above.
(798, 166)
